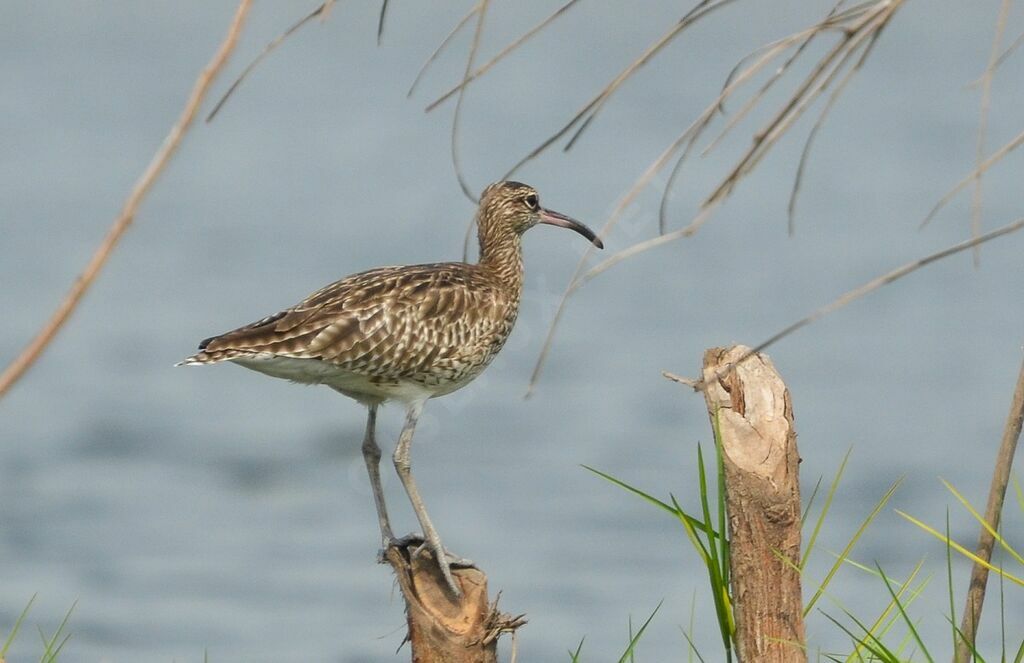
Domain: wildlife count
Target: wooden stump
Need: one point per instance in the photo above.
(762, 490)
(442, 628)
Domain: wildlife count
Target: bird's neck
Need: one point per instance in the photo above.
(503, 256)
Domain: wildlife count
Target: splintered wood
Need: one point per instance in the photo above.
(762, 488)
(442, 628)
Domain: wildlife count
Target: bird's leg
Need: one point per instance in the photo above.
(404, 469)
(371, 454)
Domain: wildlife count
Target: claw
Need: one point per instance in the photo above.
(445, 560)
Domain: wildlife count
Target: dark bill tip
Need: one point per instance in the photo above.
(562, 221)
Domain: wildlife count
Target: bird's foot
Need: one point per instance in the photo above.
(446, 560)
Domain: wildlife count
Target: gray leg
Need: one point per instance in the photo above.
(404, 469)
(371, 454)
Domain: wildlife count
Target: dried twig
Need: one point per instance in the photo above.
(142, 186)
(323, 9)
(876, 283)
(483, 69)
(986, 103)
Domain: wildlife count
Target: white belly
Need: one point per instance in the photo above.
(354, 385)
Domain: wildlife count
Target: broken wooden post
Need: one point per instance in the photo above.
(762, 489)
(442, 628)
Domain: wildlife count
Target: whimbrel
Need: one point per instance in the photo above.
(406, 334)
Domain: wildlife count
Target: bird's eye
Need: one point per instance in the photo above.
(532, 202)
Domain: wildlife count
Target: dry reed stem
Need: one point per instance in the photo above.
(993, 511)
(996, 157)
(32, 352)
(983, 112)
(323, 10)
(859, 27)
(440, 47)
(700, 11)
(481, 15)
(875, 284)
(813, 133)
(483, 69)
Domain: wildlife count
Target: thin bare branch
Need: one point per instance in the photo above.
(689, 382)
(483, 69)
(32, 352)
(458, 103)
(983, 112)
(444, 44)
(877, 283)
(996, 157)
(323, 10)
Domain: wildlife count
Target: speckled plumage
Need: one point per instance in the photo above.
(436, 326)
(402, 333)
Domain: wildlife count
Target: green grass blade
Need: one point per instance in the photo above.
(1020, 653)
(949, 582)
(695, 523)
(960, 549)
(719, 593)
(52, 646)
(639, 634)
(720, 462)
(689, 635)
(17, 626)
(853, 541)
(693, 648)
(574, 656)
(879, 653)
(56, 652)
(974, 652)
(691, 534)
(1019, 492)
(810, 502)
(705, 507)
(825, 509)
(631, 638)
(906, 618)
(984, 523)
(884, 622)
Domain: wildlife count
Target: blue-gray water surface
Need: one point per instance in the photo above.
(213, 509)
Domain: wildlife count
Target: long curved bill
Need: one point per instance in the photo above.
(562, 221)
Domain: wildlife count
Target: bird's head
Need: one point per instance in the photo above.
(506, 206)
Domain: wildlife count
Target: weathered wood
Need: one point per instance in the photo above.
(442, 628)
(762, 490)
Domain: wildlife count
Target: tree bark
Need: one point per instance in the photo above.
(762, 488)
(442, 628)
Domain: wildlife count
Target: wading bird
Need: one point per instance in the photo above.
(405, 334)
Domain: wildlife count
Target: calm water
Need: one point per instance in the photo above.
(216, 509)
